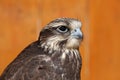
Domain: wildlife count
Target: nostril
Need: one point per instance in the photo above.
(75, 30)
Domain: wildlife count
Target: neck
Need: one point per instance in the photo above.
(51, 47)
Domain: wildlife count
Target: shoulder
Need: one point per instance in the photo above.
(31, 56)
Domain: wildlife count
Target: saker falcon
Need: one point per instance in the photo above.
(54, 56)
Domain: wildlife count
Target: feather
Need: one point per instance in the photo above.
(54, 56)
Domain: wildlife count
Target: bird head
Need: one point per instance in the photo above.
(61, 33)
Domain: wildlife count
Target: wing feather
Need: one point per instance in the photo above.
(31, 64)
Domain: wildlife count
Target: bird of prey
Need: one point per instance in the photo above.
(54, 56)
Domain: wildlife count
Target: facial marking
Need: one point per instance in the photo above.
(52, 43)
(57, 24)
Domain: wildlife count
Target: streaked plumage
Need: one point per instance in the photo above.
(54, 56)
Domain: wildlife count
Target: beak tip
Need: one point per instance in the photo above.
(80, 37)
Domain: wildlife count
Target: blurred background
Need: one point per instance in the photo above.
(22, 20)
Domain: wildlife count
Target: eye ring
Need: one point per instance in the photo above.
(62, 29)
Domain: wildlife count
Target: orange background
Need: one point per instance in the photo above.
(21, 21)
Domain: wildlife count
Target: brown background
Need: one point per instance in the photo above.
(21, 21)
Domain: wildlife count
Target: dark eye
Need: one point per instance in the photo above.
(62, 29)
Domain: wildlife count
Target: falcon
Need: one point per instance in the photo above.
(54, 56)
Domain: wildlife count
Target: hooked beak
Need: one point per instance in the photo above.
(77, 33)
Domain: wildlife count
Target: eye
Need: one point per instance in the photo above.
(62, 29)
